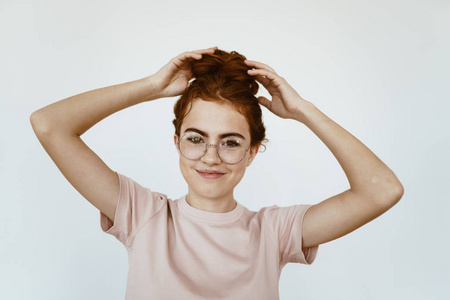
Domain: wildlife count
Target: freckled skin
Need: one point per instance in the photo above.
(214, 119)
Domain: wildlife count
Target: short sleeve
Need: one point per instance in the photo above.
(286, 224)
(135, 206)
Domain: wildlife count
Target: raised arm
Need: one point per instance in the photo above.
(59, 126)
(374, 188)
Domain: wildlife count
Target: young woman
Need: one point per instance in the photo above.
(205, 244)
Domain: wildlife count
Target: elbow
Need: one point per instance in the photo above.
(393, 194)
(387, 194)
(38, 122)
(393, 190)
(33, 120)
(398, 192)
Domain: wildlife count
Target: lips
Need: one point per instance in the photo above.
(210, 174)
(210, 171)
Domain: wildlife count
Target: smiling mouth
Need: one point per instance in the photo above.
(210, 174)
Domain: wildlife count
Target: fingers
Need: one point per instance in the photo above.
(261, 72)
(265, 82)
(196, 54)
(209, 50)
(258, 65)
(265, 102)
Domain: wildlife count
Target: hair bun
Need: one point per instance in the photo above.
(225, 69)
(223, 78)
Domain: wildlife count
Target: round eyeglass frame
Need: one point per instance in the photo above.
(206, 150)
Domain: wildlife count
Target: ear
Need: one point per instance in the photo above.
(175, 140)
(252, 153)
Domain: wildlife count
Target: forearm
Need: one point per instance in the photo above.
(366, 173)
(76, 114)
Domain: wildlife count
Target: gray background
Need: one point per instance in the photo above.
(377, 68)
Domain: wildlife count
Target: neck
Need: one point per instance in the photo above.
(218, 205)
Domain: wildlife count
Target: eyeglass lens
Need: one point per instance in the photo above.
(231, 149)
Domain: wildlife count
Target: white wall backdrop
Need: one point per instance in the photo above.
(377, 68)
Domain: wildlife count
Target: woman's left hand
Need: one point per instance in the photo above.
(286, 102)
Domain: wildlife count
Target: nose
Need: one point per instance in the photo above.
(211, 156)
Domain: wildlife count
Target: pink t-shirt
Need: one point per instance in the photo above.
(176, 251)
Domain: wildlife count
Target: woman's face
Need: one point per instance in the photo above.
(214, 120)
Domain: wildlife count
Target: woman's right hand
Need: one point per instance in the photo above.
(174, 77)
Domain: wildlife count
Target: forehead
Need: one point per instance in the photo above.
(215, 119)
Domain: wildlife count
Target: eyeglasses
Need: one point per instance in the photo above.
(231, 150)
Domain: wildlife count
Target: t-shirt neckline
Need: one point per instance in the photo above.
(208, 216)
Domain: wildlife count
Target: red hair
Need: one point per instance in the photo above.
(222, 77)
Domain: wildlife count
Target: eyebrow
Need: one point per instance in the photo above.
(223, 135)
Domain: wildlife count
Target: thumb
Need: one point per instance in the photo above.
(265, 102)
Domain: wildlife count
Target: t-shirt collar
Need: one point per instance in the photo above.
(208, 216)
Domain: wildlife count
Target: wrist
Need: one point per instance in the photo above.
(151, 88)
(304, 111)
(312, 116)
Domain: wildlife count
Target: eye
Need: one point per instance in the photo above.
(195, 139)
(231, 143)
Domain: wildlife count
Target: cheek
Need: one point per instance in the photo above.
(185, 166)
(238, 171)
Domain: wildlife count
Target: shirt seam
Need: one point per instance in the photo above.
(301, 241)
(112, 228)
(132, 238)
(273, 235)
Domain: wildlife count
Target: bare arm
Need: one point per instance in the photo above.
(59, 126)
(374, 188)
(76, 114)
